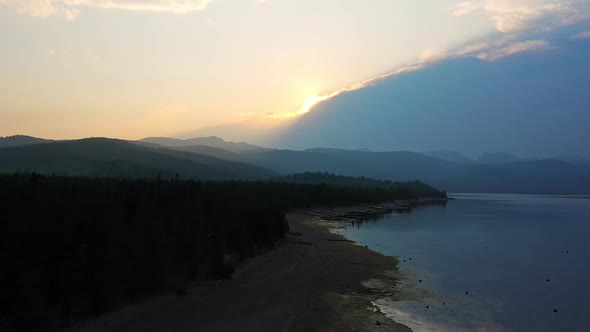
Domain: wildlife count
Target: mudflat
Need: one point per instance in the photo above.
(313, 281)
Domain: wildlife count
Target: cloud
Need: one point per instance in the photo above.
(513, 16)
(70, 9)
(466, 8)
(432, 55)
(490, 50)
(582, 35)
(473, 48)
(514, 48)
(310, 103)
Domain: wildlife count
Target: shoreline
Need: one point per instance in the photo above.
(314, 280)
(355, 309)
(348, 305)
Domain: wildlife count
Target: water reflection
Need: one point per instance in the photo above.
(499, 262)
(404, 210)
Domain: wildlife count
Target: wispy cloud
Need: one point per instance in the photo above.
(432, 55)
(513, 16)
(513, 49)
(582, 35)
(70, 9)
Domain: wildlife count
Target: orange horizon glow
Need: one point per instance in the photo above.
(165, 68)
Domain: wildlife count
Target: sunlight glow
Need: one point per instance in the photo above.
(310, 102)
(313, 101)
(307, 106)
(429, 57)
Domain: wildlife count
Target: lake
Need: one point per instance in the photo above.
(489, 262)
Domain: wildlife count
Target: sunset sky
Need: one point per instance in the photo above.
(136, 68)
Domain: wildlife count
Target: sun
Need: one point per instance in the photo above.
(310, 103)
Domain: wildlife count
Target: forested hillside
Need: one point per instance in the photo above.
(116, 158)
(409, 189)
(74, 247)
(18, 140)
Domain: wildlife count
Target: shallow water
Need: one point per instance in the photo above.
(489, 262)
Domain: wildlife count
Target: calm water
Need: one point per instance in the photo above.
(502, 250)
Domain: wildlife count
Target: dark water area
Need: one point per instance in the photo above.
(489, 262)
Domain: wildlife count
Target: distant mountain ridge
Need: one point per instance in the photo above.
(485, 158)
(212, 141)
(576, 160)
(116, 158)
(451, 156)
(498, 158)
(18, 140)
(446, 170)
(543, 176)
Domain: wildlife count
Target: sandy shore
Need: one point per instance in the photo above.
(313, 281)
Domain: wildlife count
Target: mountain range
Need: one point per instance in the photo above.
(117, 158)
(19, 140)
(447, 170)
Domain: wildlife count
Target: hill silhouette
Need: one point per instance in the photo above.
(116, 158)
(543, 176)
(18, 140)
(447, 170)
(497, 158)
(212, 141)
(451, 156)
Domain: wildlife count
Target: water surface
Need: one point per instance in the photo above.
(490, 262)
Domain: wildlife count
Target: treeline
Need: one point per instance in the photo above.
(404, 189)
(74, 247)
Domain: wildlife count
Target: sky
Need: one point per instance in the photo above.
(138, 68)
(533, 104)
(135, 68)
